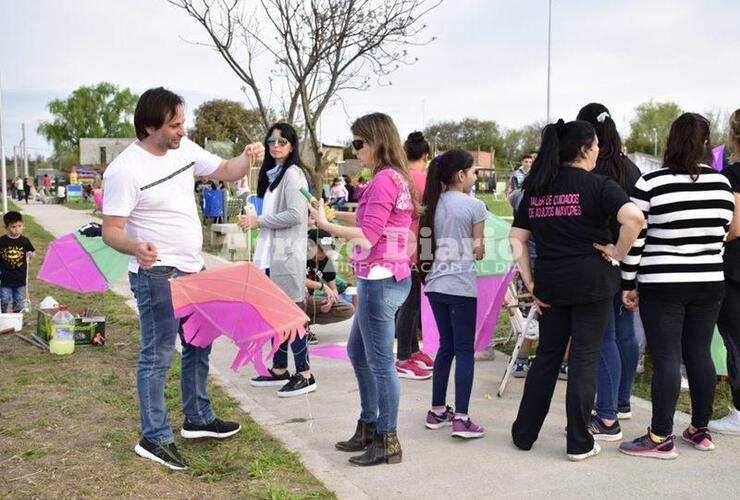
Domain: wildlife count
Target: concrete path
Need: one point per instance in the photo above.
(437, 466)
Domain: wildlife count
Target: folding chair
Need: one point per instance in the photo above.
(523, 327)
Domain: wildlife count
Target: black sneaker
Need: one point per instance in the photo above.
(602, 432)
(166, 455)
(311, 337)
(521, 367)
(271, 379)
(297, 385)
(624, 412)
(217, 429)
(563, 373)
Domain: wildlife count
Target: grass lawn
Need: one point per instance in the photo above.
(500, 208)
(68, 424)
(80, 205)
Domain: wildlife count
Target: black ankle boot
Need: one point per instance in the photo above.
(384, 448)
(363, 437)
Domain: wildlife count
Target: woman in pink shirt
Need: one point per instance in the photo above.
(381, 262)
(412, 362)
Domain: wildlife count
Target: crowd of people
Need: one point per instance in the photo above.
(607, 241)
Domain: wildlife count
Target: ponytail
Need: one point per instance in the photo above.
(561, 144)
(611, 160)
(440, 174)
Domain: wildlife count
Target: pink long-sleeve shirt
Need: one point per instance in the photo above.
(384, 213)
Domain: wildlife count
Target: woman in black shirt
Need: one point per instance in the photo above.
(568, 209)
(620, 351)
(729, 315)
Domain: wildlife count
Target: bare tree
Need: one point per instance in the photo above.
(319, 47)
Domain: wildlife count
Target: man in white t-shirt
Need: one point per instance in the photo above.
(149, 213)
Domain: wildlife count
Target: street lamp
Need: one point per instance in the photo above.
(655, 141)
(549, 33)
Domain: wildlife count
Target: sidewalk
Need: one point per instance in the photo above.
(436, 466)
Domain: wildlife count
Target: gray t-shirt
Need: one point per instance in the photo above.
(453, 270)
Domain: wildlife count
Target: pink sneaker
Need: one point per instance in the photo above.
(435, 421)
(423, 360)
(466, 429)
(409, 369)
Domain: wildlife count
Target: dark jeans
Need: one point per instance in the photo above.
(299, 346)
(584, 326)
(618, 360)
(729, 326)
(159, 331)
(455, 318)
(675, 329)
(407, 321)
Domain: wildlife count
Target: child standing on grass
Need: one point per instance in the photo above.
(14, 251)
(453, 224)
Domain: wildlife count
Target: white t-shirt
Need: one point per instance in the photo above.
(155, 193)
(263, 247)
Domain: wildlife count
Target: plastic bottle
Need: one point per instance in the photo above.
(63, 339)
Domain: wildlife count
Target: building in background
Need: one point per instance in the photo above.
(99, 152)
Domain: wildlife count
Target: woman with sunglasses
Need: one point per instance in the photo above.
(674, 272)
(281, 247)
(378, 234)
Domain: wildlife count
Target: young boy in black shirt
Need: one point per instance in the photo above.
(321, 275)
(15, 250)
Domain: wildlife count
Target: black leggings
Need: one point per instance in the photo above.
(584, 325)
(729, 326)
(407, 321)
(678, 328)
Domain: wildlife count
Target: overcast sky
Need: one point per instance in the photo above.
(489, 60)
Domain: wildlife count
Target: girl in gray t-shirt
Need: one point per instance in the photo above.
(450, 241)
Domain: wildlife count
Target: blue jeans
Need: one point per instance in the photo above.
(299, 346)
(620, 353)
(455, 318)
(370, 349)
(12, 296)
(159, 331)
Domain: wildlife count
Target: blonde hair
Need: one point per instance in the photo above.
(379, 130)
(735, 129)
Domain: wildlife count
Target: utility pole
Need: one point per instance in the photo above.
(655, 142)
(4, 176)
(15, 161)
(24, 151)
(549, 38)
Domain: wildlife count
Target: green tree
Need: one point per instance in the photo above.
(719, 121)
(101, 110)
(517, 142)
(469, 133)
(651, 116)
(225, 120)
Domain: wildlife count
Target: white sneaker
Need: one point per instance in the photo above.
(583, 456)
(684, 383)
(727, 425)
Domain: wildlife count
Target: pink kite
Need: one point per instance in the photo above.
(240, 302)
(491, 294)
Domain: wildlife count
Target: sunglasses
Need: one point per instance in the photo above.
(358, 144)
(272, 141)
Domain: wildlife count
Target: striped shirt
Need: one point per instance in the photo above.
(685, 226)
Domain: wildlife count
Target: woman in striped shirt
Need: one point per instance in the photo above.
(674, 271)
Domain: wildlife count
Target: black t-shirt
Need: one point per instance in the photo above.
(732, 248)
(566, 222)
(323, 272)
(350, 192)
(13, 260)
(631, 176)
